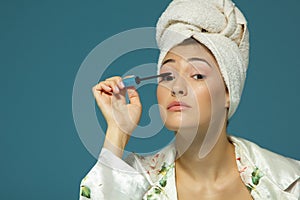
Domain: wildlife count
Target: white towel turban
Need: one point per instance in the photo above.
(220, 26)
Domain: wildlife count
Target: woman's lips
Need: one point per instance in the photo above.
(177, 106)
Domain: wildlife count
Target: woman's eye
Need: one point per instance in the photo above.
(167, 78)
(198, 76)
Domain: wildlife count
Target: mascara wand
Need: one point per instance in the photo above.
(135, 80)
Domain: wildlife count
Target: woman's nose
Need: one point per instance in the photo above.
(178, 88)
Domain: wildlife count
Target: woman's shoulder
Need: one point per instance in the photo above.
(153, 163)
(259, 154)
(280, 170)
(157, 158)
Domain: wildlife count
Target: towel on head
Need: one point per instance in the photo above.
(220, 26)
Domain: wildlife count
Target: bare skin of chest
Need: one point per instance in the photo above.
(235, 190)
(237, 195)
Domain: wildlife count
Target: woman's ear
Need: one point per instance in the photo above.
(227, 99)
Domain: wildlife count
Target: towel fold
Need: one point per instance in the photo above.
(220, 26)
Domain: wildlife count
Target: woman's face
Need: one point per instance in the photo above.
(195, 89)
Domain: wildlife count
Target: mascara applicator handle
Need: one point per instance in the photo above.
(131, 81)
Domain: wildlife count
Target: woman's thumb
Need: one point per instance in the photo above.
(133, 96)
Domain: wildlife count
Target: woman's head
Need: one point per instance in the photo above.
(195, 92)
(193, 100)
(220, 27)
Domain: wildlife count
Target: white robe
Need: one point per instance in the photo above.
(266, 175)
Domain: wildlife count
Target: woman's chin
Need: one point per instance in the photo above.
(182, 126)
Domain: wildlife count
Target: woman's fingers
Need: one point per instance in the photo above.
(110, 96)
(111, 91)
(113, 84)
(133, 96)
(102, 87)
(118, 88)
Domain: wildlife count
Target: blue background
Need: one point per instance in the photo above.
(42, 45)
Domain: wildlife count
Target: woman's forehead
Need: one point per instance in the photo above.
(187, 51)
(190, 54)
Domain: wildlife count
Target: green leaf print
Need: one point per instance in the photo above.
(157, 190)
(163, 169)
(85, 192)
(163, 182)
(256, 175)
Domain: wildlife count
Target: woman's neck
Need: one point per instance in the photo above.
(218, 163)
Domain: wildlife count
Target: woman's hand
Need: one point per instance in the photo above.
(121, 118)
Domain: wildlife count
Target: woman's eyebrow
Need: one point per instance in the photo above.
(189, 60)
(199, 59)
(168, 60)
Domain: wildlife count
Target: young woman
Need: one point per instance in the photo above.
(204, 48)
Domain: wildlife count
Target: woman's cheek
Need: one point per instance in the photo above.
(161, 94)
(202, 100)
(161, 99)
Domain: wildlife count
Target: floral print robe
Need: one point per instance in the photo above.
(266, 175)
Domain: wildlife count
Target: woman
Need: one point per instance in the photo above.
(204, 45)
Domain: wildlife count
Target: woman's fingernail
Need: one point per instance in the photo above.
(121, 84)
(116, 89)
(107, 88)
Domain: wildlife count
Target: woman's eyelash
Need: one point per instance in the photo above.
(167, 78)
(170, 77)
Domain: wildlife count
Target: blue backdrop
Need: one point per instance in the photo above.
(42, 45)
